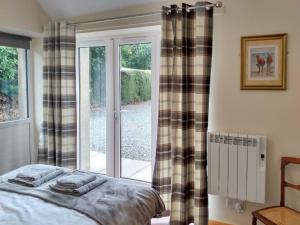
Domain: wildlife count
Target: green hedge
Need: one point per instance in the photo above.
(136, 85)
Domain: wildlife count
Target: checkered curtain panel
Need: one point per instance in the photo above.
(180, 166)
(58, 134)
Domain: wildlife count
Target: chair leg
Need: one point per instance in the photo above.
(254, 220)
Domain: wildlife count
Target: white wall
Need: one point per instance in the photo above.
(22, 17)
(15, 147)
(125, 23)
(18, 142)
(271, 113)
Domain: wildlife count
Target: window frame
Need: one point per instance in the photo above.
(135, 39)
(108, 44)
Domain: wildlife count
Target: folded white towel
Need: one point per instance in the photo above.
(75, 180)
(35, 173)
(78, 191)
(36, 183)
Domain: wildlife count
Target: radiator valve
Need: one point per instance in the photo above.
(238, 205)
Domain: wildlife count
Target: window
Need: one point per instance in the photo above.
(118, 84)
(13, 77)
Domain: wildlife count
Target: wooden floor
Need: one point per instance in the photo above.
(211, 222)
(165, 221)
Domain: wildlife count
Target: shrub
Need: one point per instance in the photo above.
(136, 82)
(136, 56)
(8, 71)
(135, 85)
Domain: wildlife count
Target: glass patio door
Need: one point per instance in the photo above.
(117, 107)
(94, 106)
(134, 107)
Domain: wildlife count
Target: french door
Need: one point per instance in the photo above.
(118, 80)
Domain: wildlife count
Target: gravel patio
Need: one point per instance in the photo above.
(135, 138)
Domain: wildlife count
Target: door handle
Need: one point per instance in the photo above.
(115, 116)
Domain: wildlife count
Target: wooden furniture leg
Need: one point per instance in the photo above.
(254, 220)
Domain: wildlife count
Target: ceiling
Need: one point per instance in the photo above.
(64, 9)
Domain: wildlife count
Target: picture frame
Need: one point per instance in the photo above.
(263, 62)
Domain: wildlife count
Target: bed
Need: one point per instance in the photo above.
(116, 202)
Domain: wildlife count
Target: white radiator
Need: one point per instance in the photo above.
(237, 166)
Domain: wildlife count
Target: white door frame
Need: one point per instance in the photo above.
(113, 123)
(142, 38)
(108, 44)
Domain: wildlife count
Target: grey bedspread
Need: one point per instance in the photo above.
(18, 209)
(116, 202)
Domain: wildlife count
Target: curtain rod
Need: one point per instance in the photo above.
(218, 4)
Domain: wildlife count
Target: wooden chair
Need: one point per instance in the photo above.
(280, 215)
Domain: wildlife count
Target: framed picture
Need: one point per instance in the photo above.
(263, 62)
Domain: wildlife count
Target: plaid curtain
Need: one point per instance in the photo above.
(58, 134)
(180, 166)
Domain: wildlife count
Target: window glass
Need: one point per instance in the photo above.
(13, 84)
(93, 103)
(136, 118)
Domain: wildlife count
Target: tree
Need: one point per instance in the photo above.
(8, 63)
(136, 56)
(97, 77)
(8, 71)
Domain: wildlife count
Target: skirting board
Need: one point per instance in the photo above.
(213, 222)
(165, 221)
